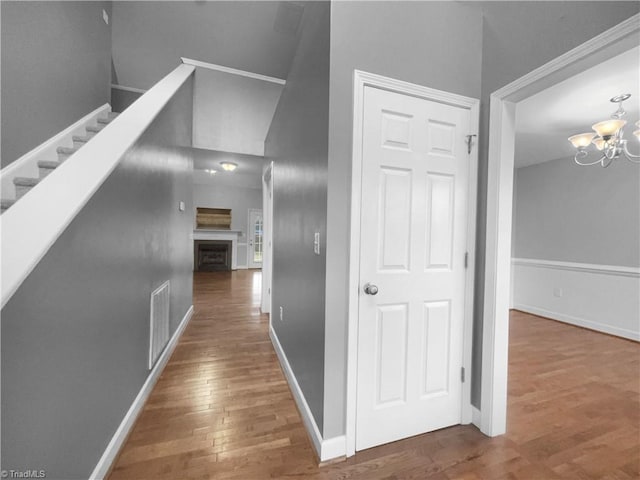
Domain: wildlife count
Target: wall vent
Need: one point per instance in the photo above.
(158, 322)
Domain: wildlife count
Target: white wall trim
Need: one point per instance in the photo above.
(598, 297)
(121, 434)
(70, 186)
(325, 449)
(499, 206)
(578, 267)
(27, 165)
(580, 322)
(233, 71)
(127, 89)
(360, 81)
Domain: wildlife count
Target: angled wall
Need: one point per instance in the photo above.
(55, 69)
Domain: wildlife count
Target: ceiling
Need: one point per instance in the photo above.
(232, 113)
(544, 121)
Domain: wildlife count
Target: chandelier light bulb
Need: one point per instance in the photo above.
(582, 140)
(609, 128)
(598, 142)
(608, 139)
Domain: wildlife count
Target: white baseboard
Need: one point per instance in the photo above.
(580, 322)
(326, 449)
(118, 439)
(599, 297)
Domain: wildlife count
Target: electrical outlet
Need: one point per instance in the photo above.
(316, 243)
(281, 313)
(105, 17)
(557, 292)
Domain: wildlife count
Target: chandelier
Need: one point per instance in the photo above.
(606, 139)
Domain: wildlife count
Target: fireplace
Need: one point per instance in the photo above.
(212, 255)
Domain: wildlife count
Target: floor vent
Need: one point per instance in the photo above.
(159, 322)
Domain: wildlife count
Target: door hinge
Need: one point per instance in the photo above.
(466, 259)
(470, 142)
(462, 374)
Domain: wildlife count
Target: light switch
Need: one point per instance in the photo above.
(316, 243)
(105, 17)
(181, 206)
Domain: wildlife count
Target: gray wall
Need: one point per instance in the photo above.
(55, 69)
(150, 37)
(410, 41)
(517, 38)
(121, 99)
(75, 336)
(570, 213)
(297, 143)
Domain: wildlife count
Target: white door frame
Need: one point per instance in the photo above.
(360, 81)
(495, 336)
(267, 238)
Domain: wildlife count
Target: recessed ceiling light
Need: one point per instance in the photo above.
(210, 171)
(229, 166)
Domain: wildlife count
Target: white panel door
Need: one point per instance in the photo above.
(255, 239)
(413, 237)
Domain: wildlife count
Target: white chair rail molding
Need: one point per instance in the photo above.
(598, 297)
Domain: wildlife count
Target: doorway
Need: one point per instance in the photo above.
(255, 239)
(411, 344)
(499, 205)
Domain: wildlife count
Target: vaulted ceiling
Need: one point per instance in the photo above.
(231, 113)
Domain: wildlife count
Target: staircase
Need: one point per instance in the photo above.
(24, 184)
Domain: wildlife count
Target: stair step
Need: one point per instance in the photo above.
(23, 185)
(45, 167)
(5, 203)
(79, 141)
(65, 152)
(92, 130)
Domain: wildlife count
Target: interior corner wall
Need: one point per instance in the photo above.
(401, 40)
(75, 335)
(518, 37)
(297, 143)
(56, 59)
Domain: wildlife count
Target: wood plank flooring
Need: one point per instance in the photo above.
(222, 408)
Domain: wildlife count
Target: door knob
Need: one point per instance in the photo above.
(370, 289)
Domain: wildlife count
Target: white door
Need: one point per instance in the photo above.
(413, 230)
(255, 239)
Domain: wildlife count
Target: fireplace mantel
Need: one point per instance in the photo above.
(232, 235)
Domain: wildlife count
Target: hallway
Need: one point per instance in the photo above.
(222, 408)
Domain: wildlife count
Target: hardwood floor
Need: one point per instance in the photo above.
(222, 408)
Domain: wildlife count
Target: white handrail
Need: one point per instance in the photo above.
(70, 186)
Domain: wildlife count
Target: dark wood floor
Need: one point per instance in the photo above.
(222, 408)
